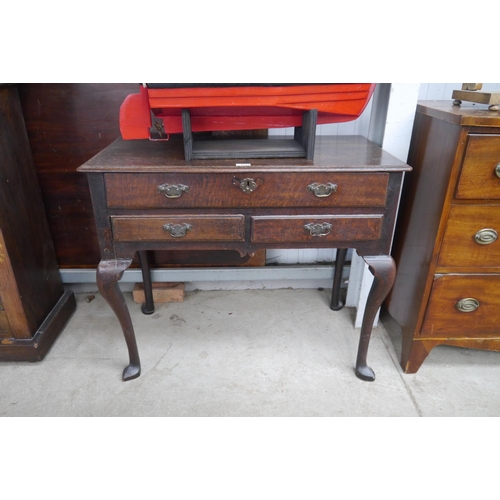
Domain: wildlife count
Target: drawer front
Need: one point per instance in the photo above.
(463, 306)
(480, 175)
(314, 229)
(179, 228)
(246, 190)
(471, 237)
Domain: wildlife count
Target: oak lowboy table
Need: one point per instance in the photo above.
(147, 197)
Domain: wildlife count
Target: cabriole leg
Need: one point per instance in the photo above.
(109, 272)
(336, 304)
(383, 269)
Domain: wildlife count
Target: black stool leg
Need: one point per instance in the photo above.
(336, 304)
(148, 307)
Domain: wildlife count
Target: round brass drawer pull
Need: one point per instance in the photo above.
(318, 229)
(322, 190)
(467, 305)
(497, 170)
(173, 190)
(177, 230)
(485, 236)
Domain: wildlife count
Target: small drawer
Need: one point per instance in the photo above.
(314, 229)
(246, 190)
(179, 228)
(480, 175)
(471, 237)
(463, 306)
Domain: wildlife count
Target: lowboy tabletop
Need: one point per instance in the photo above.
(332, 153)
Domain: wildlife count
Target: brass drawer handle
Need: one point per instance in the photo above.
(318, 229)
(497, 170)
(322, 190)
(485, 236)
(467, 305)
(247, 185)
(177, 230)
(173, 190)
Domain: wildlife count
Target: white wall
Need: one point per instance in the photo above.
(443, 91)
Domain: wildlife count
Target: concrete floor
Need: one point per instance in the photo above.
(253, 353)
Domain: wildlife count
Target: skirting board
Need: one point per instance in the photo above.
(183, 275)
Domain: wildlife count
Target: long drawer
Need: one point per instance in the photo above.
(133, 191)
(305, 229)
(480, 175)
(471, 237)
(179, 228)
(463, 306)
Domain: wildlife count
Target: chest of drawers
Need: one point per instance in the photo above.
(147, 197)
(447, 290)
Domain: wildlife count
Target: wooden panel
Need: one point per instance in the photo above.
(275, 229)
(68, 124)
(28, 255)
(4, 320)
(443, 319)
(36, 348)
(4, 324)
(12, 305)
(202, 228)
(459, 248)
(468, 114)
(272, 190)
(432, 156)
(478, 179)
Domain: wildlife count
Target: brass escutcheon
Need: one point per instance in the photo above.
(177, 230)
(485, 236)
(467, 305)
(322, 190)
(318, 229)
(173, 190)
(247, 185)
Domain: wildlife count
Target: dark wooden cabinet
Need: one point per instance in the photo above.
(33, 304)
(447, 289)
